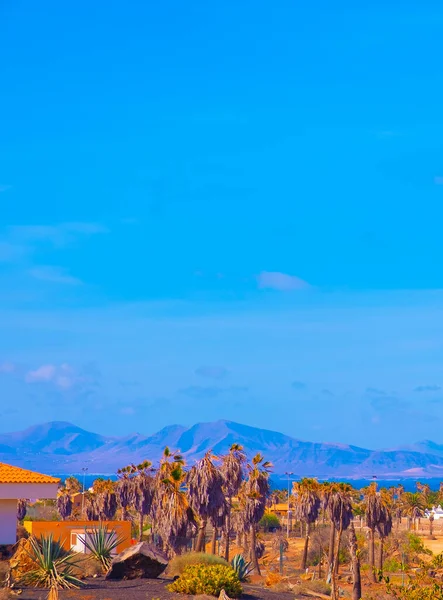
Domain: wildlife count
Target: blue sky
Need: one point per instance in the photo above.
(223, 210)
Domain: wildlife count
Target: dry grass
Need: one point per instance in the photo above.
(4, 570)
(21, 563)
(5, 594)
(179, 562)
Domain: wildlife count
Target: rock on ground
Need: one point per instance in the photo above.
(142, 561)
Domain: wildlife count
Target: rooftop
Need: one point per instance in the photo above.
(10, 474)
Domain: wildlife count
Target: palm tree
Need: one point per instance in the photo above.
(397, 494)
(384, 525)
(378, 517)
(307, 508)
(106, 498)
(340, 514)
(144, 492)
(326, 491)
(73, 485)
(91, 507)
(355, 563)
(413, 506)
(232, 470)
(125, 490)
(64, 503)
(21, 509)
(205, 490)
(255, 492)
(174, 518)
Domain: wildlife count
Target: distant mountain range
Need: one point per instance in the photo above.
(63, 448)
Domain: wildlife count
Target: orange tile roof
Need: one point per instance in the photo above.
(10, 474)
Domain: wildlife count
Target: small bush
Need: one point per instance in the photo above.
(269, 521)
(416, 545)
(316, 586)
(207, 579)
(392, 565)
(273, 579)
(178, 564)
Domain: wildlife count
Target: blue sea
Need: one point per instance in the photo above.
(280, 482)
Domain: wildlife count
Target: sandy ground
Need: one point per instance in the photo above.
(436, 546)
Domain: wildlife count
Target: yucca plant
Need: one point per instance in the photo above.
(101, 542)
(54, 566)
(241, 566)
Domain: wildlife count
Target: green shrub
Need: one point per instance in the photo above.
(269, 521)
(242, 567)
(207, 579)
(392, 565)
(416, 545)
(178, 564)
(101, 543)
(437, 561)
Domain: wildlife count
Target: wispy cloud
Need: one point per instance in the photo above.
(383, 403)
(207, 393)
(54, 275)
(427, 388)
(59, 234)
(375, 392)
(298, 385)
(43, 374)
(212, 372)
(280, 281)
(63, 377)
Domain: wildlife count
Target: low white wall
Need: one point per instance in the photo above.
(8, 521)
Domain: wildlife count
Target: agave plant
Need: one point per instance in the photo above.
(241, 566)
(54, 566)
(101, 542)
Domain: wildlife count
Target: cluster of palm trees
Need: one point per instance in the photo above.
(230, 495)
(227, 493)
(340, 503)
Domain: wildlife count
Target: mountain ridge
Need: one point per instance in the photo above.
(61, 447)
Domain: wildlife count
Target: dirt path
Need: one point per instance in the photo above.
(147, 589)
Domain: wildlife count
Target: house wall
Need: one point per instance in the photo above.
(61, 530)
(8, 522)
(12, 491)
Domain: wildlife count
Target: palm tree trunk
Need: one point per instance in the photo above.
(355, 564)
(304, 559)
(372, 554)
(140, 526)
(380, 554)
(254, 559)
(337, 552)
(214, 541)
(331, 552)
(201, 538)
(228, 530)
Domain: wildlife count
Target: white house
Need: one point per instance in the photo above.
(437, 512)
(18, 483)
